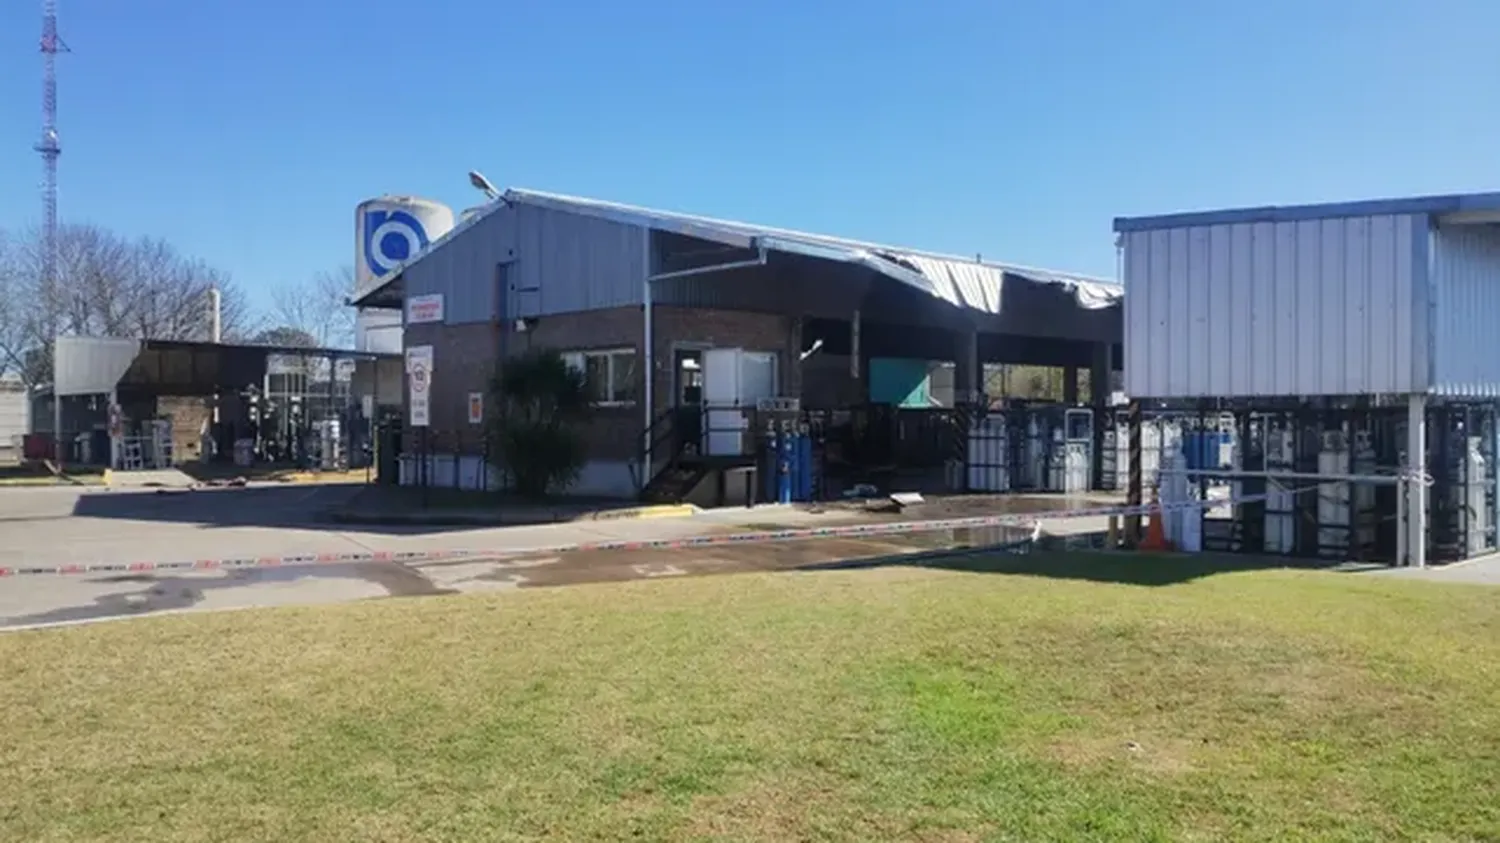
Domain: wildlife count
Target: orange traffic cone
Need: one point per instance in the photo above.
(1156, 537)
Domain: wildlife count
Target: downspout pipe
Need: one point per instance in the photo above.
(649, 330)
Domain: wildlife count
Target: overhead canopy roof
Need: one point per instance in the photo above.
(959, 281)
(95, 365)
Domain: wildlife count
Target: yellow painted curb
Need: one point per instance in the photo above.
(358, 476)
(680, 510)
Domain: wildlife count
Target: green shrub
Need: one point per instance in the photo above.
(539, 404)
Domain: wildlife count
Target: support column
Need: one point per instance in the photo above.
(1070, 385)
(968, 373)
(1416, 487)
(1099, 377)
(1133, 490)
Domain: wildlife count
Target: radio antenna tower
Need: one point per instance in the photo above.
(50, 149)
(49, 146)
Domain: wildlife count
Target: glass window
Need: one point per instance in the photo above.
(622, 376)
(612, 375)
(596, 369)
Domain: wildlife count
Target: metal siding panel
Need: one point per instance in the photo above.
(462, 269)
(1465, 287)
(1152, 269)
(93, 365)
(1307, 307)
(1283, 351)
(1179, 313)
(1353, 343)
(1240, 344)
(1410, 249)
(570, 262)
(1198, 282)
(1219, 343)
(1306, 374)
(1334, 374)
(1265, 319)
(1388, 360)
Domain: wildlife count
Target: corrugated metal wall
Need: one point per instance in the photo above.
(1315, 307)
(93, 365)
(569, 262)
(1466, 311)
(555, 262)
(464, 270)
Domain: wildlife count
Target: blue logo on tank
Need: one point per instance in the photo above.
(391, 237)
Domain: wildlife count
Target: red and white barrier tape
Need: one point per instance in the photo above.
(756, 537)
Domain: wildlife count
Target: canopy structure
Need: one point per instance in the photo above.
(100, 365)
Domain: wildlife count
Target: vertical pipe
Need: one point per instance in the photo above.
(854, 352)
(215, 316)
(1416, 470)
(648, 358)
(1133, 488)
(57, 414)
(1099, 372)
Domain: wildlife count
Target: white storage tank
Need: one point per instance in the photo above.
(390, 230)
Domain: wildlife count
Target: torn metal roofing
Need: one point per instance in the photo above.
(962, 282)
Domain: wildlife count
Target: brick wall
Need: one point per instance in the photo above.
(464, 359)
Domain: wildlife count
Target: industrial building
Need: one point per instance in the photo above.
(700, 335)
(139, 404)
(1347, 351)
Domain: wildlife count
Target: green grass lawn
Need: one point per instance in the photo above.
(893, 704)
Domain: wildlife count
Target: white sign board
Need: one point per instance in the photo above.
(419, 376)
(423, 309)
(476, 407)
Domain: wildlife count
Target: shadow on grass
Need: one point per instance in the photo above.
(1053, 561)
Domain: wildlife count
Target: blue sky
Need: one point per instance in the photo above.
(246, 132)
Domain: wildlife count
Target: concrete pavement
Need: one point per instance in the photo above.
(60, 526)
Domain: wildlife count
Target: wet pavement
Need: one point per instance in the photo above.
(69, 526)
(45, 600)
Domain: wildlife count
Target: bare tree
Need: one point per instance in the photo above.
(319, 308)
(106, 285)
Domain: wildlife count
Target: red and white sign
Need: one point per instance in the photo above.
(419, 376)
(424, 309)
(476, 408)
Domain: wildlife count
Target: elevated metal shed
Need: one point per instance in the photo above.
(1386, 297)
(1347, 307)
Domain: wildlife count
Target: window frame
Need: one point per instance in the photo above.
(578, 359)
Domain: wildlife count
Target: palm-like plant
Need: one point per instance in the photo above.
(539, 402)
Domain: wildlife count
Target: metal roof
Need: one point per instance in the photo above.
(961, 281)
(1457, 203)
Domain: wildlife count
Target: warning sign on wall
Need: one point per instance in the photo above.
(419, 376)
(476, 408)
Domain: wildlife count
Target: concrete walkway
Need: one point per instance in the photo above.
(1485, 571)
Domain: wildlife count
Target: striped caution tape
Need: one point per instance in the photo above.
(709, 540)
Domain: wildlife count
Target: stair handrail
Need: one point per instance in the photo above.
(660, 431)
